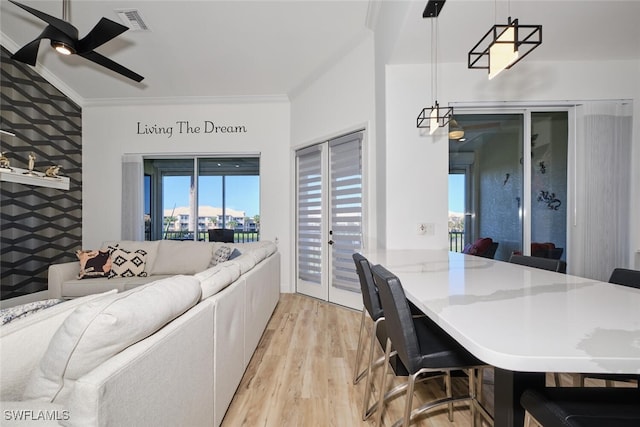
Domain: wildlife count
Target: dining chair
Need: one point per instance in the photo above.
(422, 347)
(372, 308)
(556, 265)
(623, 277)
(581, 407)
(550, 264)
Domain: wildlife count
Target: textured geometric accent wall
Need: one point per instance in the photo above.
(39, 226)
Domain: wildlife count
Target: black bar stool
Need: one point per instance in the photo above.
(581, 407)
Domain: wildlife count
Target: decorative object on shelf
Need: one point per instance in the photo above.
(503, 46)
(434, 117)
(32, 163)
(5, 163)
(550, 199)
(52, 172)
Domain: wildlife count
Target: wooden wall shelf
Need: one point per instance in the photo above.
(22, 176)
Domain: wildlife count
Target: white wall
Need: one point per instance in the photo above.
(417, 164)
(340, 101)
(111, 131)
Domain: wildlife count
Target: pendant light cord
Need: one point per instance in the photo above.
(495, 10)
(434, 57)
(434, 71)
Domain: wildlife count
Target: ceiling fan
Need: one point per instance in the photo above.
(64, 39)
(457, 131)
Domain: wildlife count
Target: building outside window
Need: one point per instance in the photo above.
(187, 197)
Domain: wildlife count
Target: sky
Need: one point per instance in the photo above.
(456, 193)
(242, 192)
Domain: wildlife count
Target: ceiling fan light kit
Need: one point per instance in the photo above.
(64, 39)
(62, 47)
(503, 46)
(456, 131)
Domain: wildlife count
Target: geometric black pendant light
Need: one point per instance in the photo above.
(435, 116)
(503, 46)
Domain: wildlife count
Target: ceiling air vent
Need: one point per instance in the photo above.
(132, 19)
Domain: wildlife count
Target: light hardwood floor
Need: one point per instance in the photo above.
(301, 374)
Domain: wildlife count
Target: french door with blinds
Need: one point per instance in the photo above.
(329, 219)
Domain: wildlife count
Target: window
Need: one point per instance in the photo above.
(187, 197)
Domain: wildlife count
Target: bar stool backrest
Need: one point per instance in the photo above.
(398, 317)
(625, 277)
(370, 296)
(556, 265)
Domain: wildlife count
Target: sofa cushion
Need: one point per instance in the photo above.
(260, 253)
(150, 247)
(245, 261)
(93, 263)
(78, 288)
(24, 342)
(96, 331)
(175, 257)
(216, 278)
(134, 282)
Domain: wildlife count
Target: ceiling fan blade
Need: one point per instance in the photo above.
(113, 66)
(61, 25)
(104, 30)
(28, 53)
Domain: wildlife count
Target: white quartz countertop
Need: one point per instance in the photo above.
(520, 318)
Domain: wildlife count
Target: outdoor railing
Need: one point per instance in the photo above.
(203, 236)
(456, 241)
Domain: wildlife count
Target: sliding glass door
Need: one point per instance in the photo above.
(187, 197)
(516, 199)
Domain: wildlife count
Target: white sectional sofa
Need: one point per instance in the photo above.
(182, 369)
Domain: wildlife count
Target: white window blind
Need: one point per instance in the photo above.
(309, 179)
(346, 208)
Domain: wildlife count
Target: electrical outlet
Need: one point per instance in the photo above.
(430, 229)
(426, 228)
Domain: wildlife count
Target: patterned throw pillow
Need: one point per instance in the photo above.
(220, 255)
(93, 264)
(126, 263)
(235, 254)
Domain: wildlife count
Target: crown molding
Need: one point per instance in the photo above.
(187, 100)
